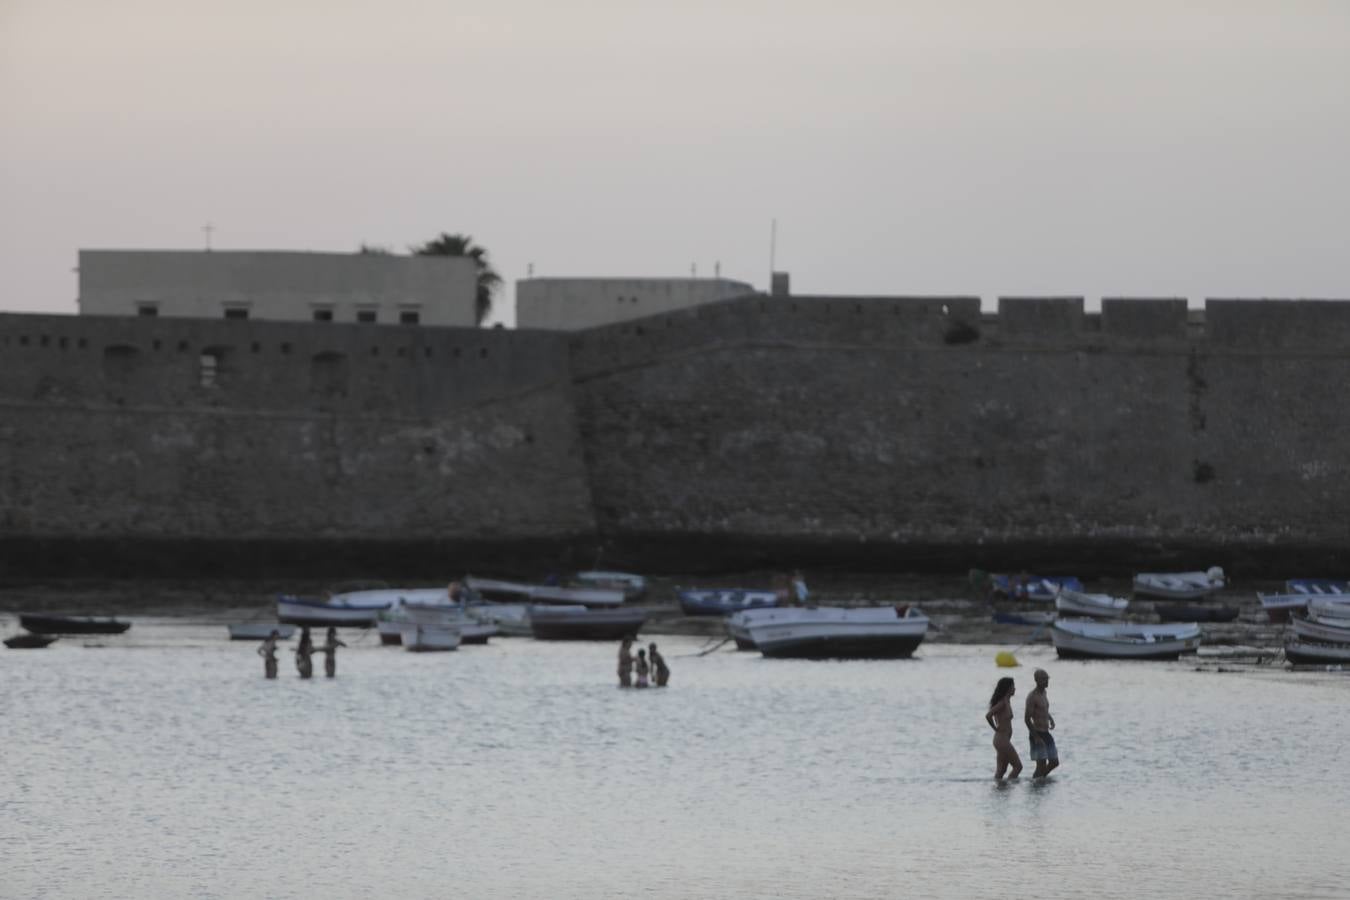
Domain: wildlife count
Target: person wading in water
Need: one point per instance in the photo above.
(626, 663)
(660, 671)
(268, 651)
(1039, 725)
(1000, 717)
(303, 664)
(329, 650)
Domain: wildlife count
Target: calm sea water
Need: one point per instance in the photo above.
(163, 765)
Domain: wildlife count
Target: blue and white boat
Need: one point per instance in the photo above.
(1033, 587)
(724, 602)
(340, 610)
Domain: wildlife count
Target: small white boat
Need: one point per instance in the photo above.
(1098, 606)
(1321, 629)
(1081, 639)
(260, 631)
(826, 632)
(518, 592)
(1180, 585)
(423, 638)
(1308, 653)
(633, 586)
(434, 610)
(339, 610)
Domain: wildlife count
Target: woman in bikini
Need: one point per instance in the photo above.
(999, 717)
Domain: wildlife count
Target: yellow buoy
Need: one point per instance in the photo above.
(1005, 660)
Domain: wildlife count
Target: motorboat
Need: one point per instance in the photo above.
(553, 623)
(718, 602)
(832, 632)
(520, 592)
(340, 610)
(1320, 629)
(29, 641)
(1180, 585)
(424, 638)
(48, 624)
(738, 627)
(1083, 639)
(1100, 606)
(1309, 653)
(260, 631)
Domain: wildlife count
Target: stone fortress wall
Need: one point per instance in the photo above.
(886, 432)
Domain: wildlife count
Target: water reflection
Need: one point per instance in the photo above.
(172, 768)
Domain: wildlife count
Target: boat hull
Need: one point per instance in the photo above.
(842, 646)
(316, 613)
(592, 625)
(39, 624)
(1320, 631)
(430, 638)
(515, 592)
(836, 633)
(1304, 653)
(29, 641)
(1179, 586)
(1094, 640)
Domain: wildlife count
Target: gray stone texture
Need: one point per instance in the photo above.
(892, 431)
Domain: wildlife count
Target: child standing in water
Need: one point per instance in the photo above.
(999, 717)
(642, 669)
(268, 651)
(329, 650)
(660, 671)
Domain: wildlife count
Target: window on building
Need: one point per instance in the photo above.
(236, 312)
(209, 363)
(365, 315)
(323, 315)
(409, 317)
(147, 309)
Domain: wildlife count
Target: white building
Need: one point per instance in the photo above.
(568, 304)
(279, 285)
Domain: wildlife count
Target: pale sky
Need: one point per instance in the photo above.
(995, 148)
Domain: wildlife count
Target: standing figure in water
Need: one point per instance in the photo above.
(660, 671)
(268, 651)
(999, 717)
(642, 669)
(303, 664)
(1039, 725)
(626, 663)
(329, 650)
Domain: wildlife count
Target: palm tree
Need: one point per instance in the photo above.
(463, 245)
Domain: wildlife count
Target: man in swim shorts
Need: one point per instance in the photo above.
(1039, 724)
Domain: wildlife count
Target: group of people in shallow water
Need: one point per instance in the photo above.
(1039, 722)
(649, 665)
(303, 651)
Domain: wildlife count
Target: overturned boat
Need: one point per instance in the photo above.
(827, 632)
(1082, 639)
(340, 610)
(520, 592)
(552, 623)
(48, 624)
